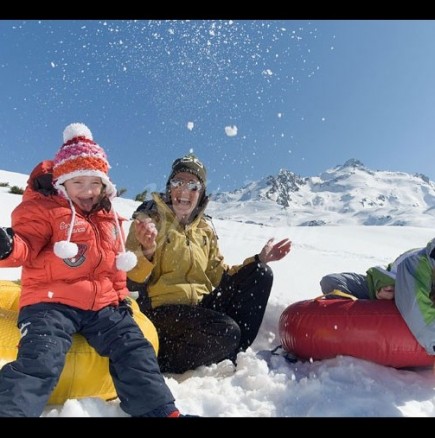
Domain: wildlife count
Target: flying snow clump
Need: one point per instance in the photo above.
(231, 131)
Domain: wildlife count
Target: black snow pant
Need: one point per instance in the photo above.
(225, 322)
(46, 336)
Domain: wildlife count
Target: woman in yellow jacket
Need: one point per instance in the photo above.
(204, 310)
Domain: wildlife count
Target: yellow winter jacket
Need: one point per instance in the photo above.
(187, 263)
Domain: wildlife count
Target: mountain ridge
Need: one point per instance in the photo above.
(347, 194)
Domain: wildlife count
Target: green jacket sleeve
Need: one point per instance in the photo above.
(378, 277)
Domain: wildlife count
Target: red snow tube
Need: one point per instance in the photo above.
(372, 330)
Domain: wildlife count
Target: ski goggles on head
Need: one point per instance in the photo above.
(193, 186)
(187, 160)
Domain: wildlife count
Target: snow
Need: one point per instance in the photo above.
(266, 385)
(231, 131)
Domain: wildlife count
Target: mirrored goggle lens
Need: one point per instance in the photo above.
(193, 186)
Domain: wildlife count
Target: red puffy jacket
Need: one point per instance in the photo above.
(90, 280)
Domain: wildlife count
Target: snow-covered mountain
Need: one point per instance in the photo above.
(348, 194)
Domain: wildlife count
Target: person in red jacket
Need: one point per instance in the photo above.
(69, 242)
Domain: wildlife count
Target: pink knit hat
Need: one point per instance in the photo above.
(81, 156)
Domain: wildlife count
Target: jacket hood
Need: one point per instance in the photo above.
(40, 181)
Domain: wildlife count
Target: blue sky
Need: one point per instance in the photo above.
(304, 95)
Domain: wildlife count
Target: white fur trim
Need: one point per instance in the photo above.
(76, 130)
(65, 249)
(126, 261)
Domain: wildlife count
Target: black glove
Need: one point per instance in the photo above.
(6, 242)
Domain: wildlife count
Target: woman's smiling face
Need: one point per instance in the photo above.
(185, 190)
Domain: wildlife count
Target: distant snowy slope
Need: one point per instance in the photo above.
(8, 200)
(14, 179)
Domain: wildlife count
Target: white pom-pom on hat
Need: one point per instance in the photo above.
(126, 261)
(65, 249)
(76, 130)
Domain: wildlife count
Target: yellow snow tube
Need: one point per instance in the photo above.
(86, 373)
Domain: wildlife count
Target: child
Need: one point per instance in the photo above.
(73, 281)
